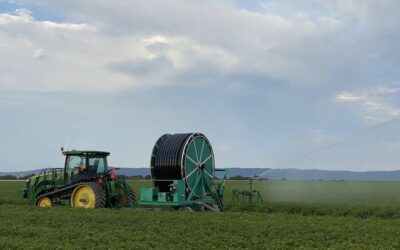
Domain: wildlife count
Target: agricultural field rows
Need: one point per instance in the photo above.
(295, 215)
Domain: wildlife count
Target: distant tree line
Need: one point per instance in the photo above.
(137, 177)
(13, 177)
(8, 177)
(238, 177)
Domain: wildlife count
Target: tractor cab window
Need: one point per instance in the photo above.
(97, 165)
(75, 164)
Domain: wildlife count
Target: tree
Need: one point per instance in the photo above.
(8, 177)
(25, 177)
(238, 177)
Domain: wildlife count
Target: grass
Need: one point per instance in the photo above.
(304, 214)
(30, 227)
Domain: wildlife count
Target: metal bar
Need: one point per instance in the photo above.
(209, 157)
(187, 156)
(194, 170)
(195, 149)
(201, 152)
(205, 171)
(215, 197)
(194, 187)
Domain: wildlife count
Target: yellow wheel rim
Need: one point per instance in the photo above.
(83, 197)
(44, 202)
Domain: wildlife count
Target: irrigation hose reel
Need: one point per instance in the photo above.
(182, 169)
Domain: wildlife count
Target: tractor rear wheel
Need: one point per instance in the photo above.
(125, 199)
(88, 195)
(131, 196)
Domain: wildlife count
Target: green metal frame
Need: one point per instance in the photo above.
(247, 199)
(179, 197)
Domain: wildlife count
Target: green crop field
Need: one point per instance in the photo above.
(296, 214)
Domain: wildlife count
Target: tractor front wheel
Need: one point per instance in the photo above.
(88, 195)
(44, 202)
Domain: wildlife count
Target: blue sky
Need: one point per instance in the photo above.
(266, 81)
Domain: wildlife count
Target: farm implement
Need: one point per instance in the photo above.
(182, 169)
(247, 198)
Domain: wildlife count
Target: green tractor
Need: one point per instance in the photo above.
(84, 182)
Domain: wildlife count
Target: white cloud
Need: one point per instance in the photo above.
(380, 110)
(375, 104)
(346, 96)
(39, 54)
(70, 62)
(381, 90)
(24, 17)
(216, 36)
(69, 56)
(107, 46)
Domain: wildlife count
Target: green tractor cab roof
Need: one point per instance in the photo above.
(86, 152)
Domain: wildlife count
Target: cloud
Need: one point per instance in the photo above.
(39, 54)
(110, 46)
(71, 61)
(378, 110)
(374, 103)
(80, 58)
(382, 90)
(217, 36)
(346, 96)
(24, 17)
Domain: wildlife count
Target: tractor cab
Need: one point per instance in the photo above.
(84, 165)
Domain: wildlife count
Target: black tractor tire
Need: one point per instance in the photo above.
(126, 196)
(80, 200)
(131, 196)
